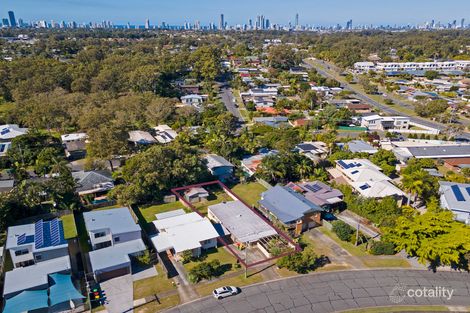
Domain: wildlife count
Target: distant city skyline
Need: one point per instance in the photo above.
(311, 12)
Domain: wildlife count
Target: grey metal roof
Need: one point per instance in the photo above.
(118, 221)
(440, 151)
(115, 256)
(287, 205)
(23, 278)
(241, 221)
(89, 180)
(169, 214)
(454, 201)
(214, 161)
(360, 146)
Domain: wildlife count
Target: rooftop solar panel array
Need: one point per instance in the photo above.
(39, 234)
(313, 188)
(49, 234)
(457, 193)
(5, 131)
(468, 191)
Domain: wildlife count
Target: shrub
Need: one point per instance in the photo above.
(300, 262)
(343, 230)
(186, 256)
(382, 248)
(204, 270)
(144, 258)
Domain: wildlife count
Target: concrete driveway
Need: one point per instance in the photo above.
(119, 294)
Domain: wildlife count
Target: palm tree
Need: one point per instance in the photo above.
(304, 168)
(416, 184)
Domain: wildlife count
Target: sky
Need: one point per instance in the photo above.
(313, 12)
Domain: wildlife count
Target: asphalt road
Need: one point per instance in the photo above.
(338, 291)
(376, 104)
(227, 98)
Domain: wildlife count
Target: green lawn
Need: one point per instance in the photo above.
(250, 193)
(153, 307)
(70, 229)
(237, 281)
(214, 198)
(148, 213)
(82, 233)
(356, 251)
(226, 259)
(373, 261)
(153, 285)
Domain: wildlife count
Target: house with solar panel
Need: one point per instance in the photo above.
(34, 243)
(41, 278)
(164, 134)
(456, 198)
(115, 237)
(315, 151)
(7, 133)
(367, 179)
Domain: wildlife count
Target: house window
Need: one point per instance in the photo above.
(21, 252)
(117, 239)
(99, 235)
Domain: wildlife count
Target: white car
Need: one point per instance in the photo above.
(224, 292)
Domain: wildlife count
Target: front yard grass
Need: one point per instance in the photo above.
(237, 281)
(250, 193)
(70, 229)
(352, 249)
(226, 259)
(382, 261)
(154, 306)
(373, 261)
(153, 285)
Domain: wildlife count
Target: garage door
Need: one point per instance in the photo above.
(112, 274)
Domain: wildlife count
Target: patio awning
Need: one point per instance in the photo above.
(63, 289)
(27, 301)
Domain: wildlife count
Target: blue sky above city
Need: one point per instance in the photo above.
(313, 12)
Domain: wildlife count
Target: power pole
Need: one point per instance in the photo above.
(357, 233)
(246, 258)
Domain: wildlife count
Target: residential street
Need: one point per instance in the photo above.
(227, 97)
(367, 99)
(338, 291)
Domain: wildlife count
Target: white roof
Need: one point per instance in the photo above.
(241, 221)
(173, 213)
(24, 278)
(10, 131)
(115, 256)
(73, 137)
(377, 189)
(359, 170)
(182, 232)
(165, 134)
(118, 221)
(372, 117)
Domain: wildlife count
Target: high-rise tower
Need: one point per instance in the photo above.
(11, 15)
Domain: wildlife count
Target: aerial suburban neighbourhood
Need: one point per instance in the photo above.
(287, 163)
